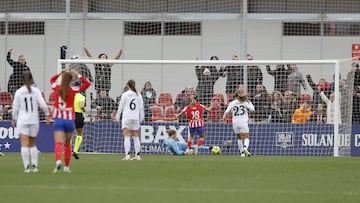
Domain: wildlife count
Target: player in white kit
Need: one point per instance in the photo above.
(240, 108)
(132, 108)
(25, 115)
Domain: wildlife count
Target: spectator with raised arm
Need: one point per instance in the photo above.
(83, 70)
(280, 75)
(15, 80)
(235, 76)
(295, 80)
(103, 72)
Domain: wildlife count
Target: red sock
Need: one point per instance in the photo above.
(199, 143)
(189, 143)
(58, 150)
(67, 154)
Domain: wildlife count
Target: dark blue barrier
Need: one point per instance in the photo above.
(265, 139)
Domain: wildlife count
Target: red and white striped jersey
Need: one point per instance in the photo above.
(65, 109)
(195, 115)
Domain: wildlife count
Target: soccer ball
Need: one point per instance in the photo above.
(216, 150)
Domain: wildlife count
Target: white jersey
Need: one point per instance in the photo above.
(240, 111)
(26, 105)
(131, 106)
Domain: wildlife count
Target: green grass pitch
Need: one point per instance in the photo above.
(171, 179)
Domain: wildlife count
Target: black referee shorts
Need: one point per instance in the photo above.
(79, 120)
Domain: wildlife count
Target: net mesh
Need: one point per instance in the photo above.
(172, 29)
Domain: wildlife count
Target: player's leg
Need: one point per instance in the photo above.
(246, 144)
(58, 137)
(201, 132)
(137, 146)
(78, 140)
(25, 152)
(67, 151)
(34, 153)
(127, 142)
(189, 141)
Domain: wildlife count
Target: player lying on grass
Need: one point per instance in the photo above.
(179, 148)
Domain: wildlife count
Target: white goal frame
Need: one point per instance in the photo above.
(334, 62)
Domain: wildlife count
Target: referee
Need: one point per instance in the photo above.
(79, 108)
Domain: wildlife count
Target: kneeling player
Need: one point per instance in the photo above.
(179, 148)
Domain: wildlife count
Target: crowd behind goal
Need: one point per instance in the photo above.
(284, 104)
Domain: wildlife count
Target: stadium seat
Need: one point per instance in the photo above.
(51, 100)
(5, 98)
(156, 114)
(165, 99)
(170, 114)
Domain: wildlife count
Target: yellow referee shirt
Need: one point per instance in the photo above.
(77, 100)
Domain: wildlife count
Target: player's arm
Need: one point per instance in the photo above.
(142, 112)
(43, 105)
(228, 109)
(250, 106)
(15, 109)
(120, 108)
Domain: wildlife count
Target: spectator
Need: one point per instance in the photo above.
(280, 75)
(276, 108)
(15, 80)
(207, 76)
(330, 107)
(261, 104)
(217, 109)
(319, 115)
(295, 80)
(182, 100)
(316, 96)
(105, 106)
(103, 72)
(303, 114)
(149, 97)
(235, 76)
(356, 106)
(290, 105)
(254, 77)
(83, 70)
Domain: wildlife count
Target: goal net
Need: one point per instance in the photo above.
(302, 107)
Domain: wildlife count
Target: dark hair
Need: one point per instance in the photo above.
(131, 85)
(64, 85)
(214, 57)
(171, 132)
(27, 79)
(103, 54)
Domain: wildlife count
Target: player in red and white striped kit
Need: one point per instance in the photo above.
(194, 111)
(64, 114)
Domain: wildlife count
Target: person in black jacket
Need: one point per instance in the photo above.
(280, 75)
(15, 80)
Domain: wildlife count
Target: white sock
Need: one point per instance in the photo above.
(136, 145)
(246, 143)
(34, 156)
(25, 156)
(240, 144)
(127, 144)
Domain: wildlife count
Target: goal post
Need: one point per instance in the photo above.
(267, 137)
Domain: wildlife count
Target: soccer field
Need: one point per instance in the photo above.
(163, 178)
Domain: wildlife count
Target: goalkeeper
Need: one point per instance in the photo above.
(178, 148)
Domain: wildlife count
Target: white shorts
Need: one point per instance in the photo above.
(241, 128)
(31, 130)
(131, 124)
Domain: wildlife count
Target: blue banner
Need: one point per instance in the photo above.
(265, 139)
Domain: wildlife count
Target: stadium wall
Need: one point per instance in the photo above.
(221, 38)
(279, 139)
